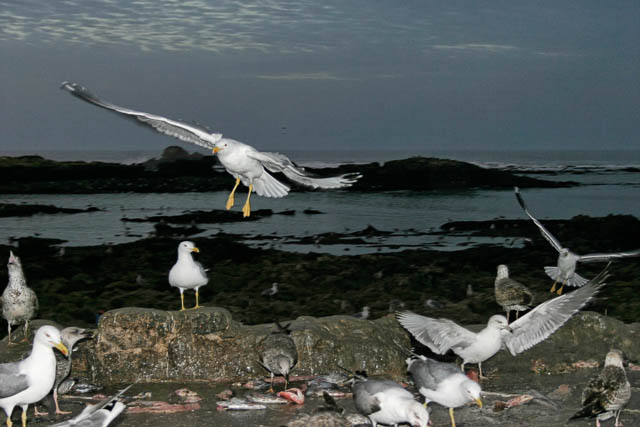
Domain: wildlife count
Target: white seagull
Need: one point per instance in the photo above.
(245, 163)
(387, 402)
(442, 335)
(31, 379)
(565, 271)
(99, 415)
(187, 273)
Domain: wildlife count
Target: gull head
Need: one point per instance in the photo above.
(503, 272)
(564, 252)
(222, 145)
(614, 358)
(417, 414)
(72, 334)
(284, 365)
(473, 390)
(498, 321)
(50, 336)
(187, 247)
(14, 263)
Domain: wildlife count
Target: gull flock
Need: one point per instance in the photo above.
(382, 401)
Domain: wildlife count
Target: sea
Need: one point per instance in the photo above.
(611, 180)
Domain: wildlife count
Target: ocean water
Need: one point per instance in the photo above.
(612, 181)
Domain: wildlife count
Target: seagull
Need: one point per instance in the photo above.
(565, 271)
(269, 292)
(510, 294)
(364, 314)
(441, 335)
(242, 161)
(31, 379)
(387, 402)
(607, 394)
(187, 273)
(19, 302)
(279, 354)
(99, 415)
(443, 383)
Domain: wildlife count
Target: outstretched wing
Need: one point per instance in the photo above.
(549, 316)
(183, 131)
(276, 162)
(545, 233)
(438, 334)
(607, 257)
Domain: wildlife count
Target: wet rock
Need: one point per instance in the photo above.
(207, 345)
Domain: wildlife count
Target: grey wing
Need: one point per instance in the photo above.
(545, 233)
(438, 334)
(276, 162)
(11, 381)
(549, 316)
(428, 373)
(607, 257)
(183, 131)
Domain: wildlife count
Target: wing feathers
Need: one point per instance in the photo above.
(545, 233)
(438, 334)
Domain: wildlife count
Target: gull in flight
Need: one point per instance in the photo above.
(565, 271)
(442, 335)
(242, 161)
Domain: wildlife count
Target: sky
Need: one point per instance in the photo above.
(325, 75)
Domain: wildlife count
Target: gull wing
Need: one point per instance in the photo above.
(97, 415)
(276, 162)
(545, 233)
(183, 131)
(607, 257)
(11, 380)
(548, 317)
(438, 334)
(429, 373)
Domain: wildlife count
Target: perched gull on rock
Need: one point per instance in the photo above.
(387, 402)
(279, 354)
(441, 335)
(607, 394)
(269, 292)
(31, 379)
(242, 161)
(510, 294)
(187, 273)
(565, 271)
(99, 415)
(19, 302)
(443, 383)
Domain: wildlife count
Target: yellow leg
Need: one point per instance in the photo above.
(231, 199)
(453, 420)
(197, 305)
(9, 423)
(24, 418)
(553, 288)
(246, 209)
(182, 300)
(561, 288)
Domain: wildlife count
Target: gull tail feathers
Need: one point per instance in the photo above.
(268, 186)
(577, 281)
(553, 272)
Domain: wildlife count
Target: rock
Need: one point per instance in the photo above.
(207, 345)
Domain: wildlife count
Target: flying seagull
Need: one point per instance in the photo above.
(565, 271)
(607, 394)
(187, 273)
(242, 161)
(31, 379)
(510, 294)
(442, 335)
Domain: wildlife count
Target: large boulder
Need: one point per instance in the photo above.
(207, 345)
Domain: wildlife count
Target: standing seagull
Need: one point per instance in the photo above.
(31, 379)
(442, 335)
(279, 354)
(443, 383)
(565, 272)
(19, 302)
(387, 402)
(607, 394)
(511, 295)
(187, 273)
(242, 161)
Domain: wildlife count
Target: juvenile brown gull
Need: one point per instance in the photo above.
(19, 301)
(31, 379)
(565, 271)
(187, 273)
(242, 161)
(442, 335)
(607, 394)
(510, 294)
(279, 354)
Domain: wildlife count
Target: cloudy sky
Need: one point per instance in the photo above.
(325, 74)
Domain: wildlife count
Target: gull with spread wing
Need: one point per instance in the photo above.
(242, 161)
(565, 271)
(442, 335)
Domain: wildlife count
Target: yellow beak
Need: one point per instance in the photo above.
(479, 402)
(216, 149)
(62, 348)
(195, 250)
